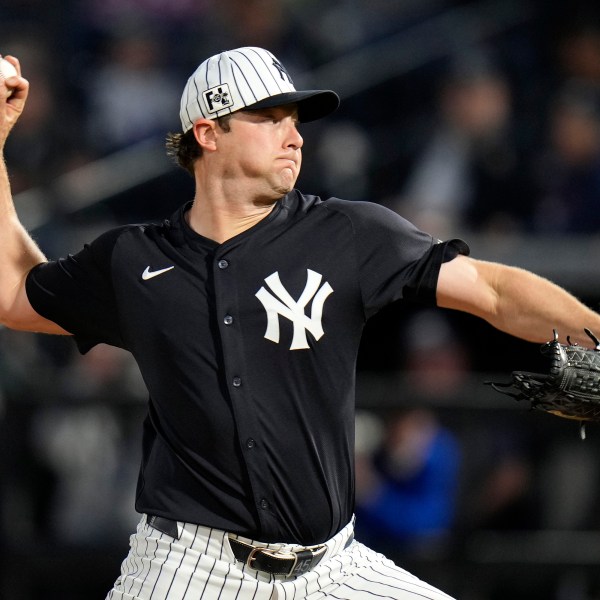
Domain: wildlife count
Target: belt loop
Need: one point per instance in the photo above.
(164, 525)
(305, 560)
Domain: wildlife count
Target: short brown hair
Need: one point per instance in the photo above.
(185, 150)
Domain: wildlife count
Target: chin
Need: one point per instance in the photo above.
(284, 190)
(288, 180)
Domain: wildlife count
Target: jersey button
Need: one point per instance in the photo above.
(228, 320)
(237, 381)
(250, 443)
(223, 264)
(264, 504)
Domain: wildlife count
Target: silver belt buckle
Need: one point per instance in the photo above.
(254, 551)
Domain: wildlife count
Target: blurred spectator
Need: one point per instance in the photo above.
(437, 361)
(107, 13)
(569, 465)
(498, 488)
(253, 22)
(131, 94)
(471, 172)
(47, 146)
(82, 447)
(579, 51)
(406, 491)
(344, 174)
(90, 441)
(568, 172)
(44, 148)
(269, 24)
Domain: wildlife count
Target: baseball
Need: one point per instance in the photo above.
(7, 70)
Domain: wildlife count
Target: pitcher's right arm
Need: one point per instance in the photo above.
(18, 252)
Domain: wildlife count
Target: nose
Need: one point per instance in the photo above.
(294, 139)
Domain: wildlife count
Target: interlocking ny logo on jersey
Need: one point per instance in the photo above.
(283, 304)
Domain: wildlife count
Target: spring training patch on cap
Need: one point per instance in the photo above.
(217, 98)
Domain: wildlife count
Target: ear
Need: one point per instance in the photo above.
(205, 134)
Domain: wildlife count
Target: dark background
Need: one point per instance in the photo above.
(88, 154)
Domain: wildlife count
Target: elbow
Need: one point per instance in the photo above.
(10, 320)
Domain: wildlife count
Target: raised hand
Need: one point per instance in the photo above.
(13, 94)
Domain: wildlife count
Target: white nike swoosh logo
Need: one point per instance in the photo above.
(148, 274)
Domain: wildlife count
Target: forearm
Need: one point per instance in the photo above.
(515, 301)
(15, 242)
(531, 307)
(18, 250)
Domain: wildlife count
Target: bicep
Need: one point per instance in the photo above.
(467, 284)
(23, 317)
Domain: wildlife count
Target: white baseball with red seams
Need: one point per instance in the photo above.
(7, 69)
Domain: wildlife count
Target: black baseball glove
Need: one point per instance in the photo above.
(571, 386)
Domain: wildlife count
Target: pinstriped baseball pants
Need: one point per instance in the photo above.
(201, 566)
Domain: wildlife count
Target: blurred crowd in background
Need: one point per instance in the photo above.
(464, 117)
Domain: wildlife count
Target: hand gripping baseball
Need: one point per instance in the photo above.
(12, 100)
(7, 70)
(571, 386)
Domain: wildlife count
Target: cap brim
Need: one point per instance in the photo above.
(312, 104)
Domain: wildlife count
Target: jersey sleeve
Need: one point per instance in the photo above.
(77, 293)
(396, 260)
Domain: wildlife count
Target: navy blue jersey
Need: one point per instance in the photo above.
(248, 349)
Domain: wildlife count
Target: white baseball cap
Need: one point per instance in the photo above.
(247, 78)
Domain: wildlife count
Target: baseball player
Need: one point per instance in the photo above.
(244, 311)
